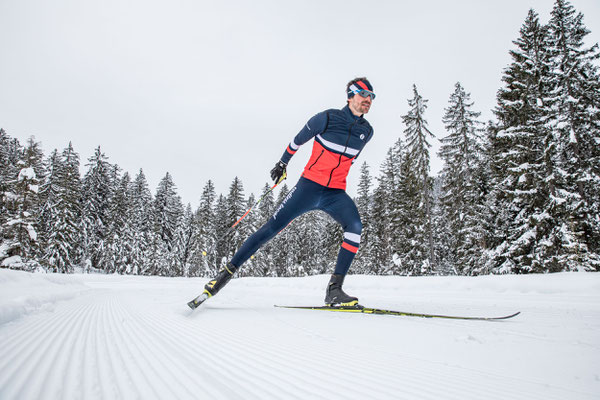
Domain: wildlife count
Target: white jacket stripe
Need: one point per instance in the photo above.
(337, 147)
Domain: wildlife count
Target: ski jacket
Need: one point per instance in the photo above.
(339, 138)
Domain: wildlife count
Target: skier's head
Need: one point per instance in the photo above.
(362, 103)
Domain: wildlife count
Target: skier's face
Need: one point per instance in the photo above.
(360, 105)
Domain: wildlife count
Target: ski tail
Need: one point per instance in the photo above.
(198, 300)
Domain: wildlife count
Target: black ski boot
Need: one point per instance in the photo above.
(216, 284)
(335, 295)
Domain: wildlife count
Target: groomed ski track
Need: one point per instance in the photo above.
(122, 337)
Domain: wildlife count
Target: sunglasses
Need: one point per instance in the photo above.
(365, 94)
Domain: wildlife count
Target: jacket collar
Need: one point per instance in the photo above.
(347, 110)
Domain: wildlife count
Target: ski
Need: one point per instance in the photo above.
(367, 310)
(198, 300)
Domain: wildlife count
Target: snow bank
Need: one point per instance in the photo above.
(22, 293)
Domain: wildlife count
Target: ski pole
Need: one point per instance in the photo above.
(232, 227)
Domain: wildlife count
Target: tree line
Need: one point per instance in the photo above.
(516, 195)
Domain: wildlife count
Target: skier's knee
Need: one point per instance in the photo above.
(354, 227)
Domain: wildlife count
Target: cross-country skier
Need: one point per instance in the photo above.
(339, 137)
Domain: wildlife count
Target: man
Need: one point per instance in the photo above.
(339, 137)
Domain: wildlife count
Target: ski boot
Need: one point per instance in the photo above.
(214, 285)
(335, 296)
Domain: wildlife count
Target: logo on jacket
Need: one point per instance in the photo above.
(362, 136)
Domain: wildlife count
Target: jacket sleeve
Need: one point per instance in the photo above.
(313, 127)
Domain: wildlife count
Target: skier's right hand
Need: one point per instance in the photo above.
(278, 172)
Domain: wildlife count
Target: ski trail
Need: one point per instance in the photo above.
(135, 338)
(35, 347)
(410, 373)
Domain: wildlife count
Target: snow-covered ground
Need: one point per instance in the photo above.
(99, 336)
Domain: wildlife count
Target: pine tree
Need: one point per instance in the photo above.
(222, 255)
(543, 215)
(96, 197)
(418, 184)
(60, 215)
(443, 236)
(519, 164)
(364, 261)
(121, 238)
(461, 199)
(49, 198)
(23, 205)
(575, 121)
(11, 152)
(141, 224)
(185, 236)
(168, 212)
(203, 260)
(236, 206)
(5, 173)
(263, 261)
(282, 255)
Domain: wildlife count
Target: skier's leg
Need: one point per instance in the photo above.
(302, 198)
(341, 208)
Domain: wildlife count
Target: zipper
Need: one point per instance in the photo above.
(313, 164)
(345, 148)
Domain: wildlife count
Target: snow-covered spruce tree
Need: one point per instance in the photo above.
(389, 205)
(364, 261)
(121, 231)
(20, 230)
(141, 223)
(246, 227)
(96, 207)
(7, 173)
(263, 259)
(61, 212)
(235, 208)
(442, 233)
(281, 252)
(10, 154)
(575, 122)
(521, 158)
(202, 260)
(49, 198)
(461, 200)
(306, 244)
(168, 212)
(185, 245)
(380, 239)
(221, 229)
(420, 258)
(332, 237)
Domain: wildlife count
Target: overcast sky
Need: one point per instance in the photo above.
(217, 89)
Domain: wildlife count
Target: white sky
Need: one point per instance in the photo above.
(217, 89)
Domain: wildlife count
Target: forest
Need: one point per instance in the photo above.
(519, 194)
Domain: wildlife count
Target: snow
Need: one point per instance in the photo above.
(26, 174)
(12, 261)
(32, 233)
(111, 336)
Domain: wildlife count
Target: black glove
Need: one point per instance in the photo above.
(278, 171)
